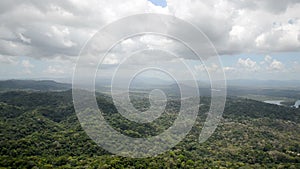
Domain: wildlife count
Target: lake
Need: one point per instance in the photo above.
(276, 102)
(297, 104)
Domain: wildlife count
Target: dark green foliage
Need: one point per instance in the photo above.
(256, 109)
(40, 129)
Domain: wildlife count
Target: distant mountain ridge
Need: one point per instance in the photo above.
(249, 83)
(146, 83)
(41, 85)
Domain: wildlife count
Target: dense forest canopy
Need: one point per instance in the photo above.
(40, 129)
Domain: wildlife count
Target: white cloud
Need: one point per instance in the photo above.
(54, 70)
(276, 66)
(238, 33)
(208, 68)
(229, 69)
(247, 64)
(52, 28)
(27, 66)
(281, 37)
(55, 29)
(272, 64)
(111, 60)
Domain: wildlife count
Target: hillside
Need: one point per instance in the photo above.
(42, 85)
(41, 129)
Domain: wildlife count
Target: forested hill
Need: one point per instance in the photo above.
(235, 107)
(40, 129)
(42, 85)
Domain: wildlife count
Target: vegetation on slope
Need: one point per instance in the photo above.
(41, 130)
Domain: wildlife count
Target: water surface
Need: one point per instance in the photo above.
(276, 102)
(297, 104)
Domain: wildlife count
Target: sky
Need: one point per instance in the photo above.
(254, 39)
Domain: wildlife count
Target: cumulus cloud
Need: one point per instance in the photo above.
(55, 28)
(211, 68)
(276, 65)
(54, 70)
(247, 64)
(272, 64)
(262, 68)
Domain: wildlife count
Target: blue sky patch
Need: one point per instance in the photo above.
(162, 3)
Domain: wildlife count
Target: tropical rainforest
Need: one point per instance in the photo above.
(40, 129)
